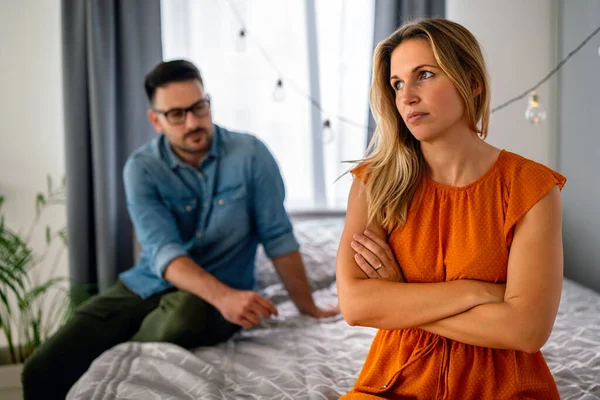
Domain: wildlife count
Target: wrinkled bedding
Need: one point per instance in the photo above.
(297, 357)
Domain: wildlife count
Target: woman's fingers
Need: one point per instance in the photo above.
(367, 254)
(381, 243)
(373, 246)
(366, 267)
(375, 251)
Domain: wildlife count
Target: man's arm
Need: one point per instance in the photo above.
(159, 235)
(155, 226)
(525, 319)
(275, 230)
(241, 307)
(395, 305)
(291, 271)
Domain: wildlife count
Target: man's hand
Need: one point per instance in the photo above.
(245, 307)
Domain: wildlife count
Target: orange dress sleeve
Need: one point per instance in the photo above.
(528, 183)
(360, 171)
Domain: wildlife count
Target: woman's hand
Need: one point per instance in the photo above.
(375, 258)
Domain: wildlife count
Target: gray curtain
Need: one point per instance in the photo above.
(390, 14)
(108, 46)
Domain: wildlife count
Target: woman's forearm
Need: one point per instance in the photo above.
(497, 325)
(396, 305)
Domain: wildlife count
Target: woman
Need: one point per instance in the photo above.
(452, 248)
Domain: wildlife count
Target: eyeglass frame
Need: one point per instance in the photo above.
(165, 113)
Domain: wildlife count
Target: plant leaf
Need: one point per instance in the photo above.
(48, 235)
(14, 283)
(40, 201)
(37, 291)
(63, 235)
(5, 302)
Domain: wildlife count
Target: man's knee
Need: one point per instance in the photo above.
(179, 318)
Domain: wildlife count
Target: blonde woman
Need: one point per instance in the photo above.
(452, 248)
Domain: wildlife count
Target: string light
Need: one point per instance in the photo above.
(327, 133)
(240, 41)
(550, 74)
(279, 93)
(535, 113)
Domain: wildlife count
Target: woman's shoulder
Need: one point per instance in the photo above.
(525, 182)
(518, 170)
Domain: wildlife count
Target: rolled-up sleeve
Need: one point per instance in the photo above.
(155, 226)
(273, 224)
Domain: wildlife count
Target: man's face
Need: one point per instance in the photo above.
(181, 111)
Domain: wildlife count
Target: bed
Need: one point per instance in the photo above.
(297, 357)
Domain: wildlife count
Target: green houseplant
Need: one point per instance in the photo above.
(32, 307)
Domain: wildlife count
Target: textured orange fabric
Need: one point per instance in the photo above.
(460, 233)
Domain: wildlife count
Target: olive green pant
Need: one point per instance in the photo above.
(116, 316)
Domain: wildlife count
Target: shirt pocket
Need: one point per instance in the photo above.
(185, 211)
(230, 195)
(230, 212)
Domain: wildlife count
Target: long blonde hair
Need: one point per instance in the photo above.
(394, 162)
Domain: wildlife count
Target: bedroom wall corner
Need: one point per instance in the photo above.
(579, 141)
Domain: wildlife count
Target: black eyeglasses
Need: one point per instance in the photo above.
(177, 116)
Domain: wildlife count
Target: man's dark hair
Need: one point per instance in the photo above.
(167, 72)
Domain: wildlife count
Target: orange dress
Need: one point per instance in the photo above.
(460, 233)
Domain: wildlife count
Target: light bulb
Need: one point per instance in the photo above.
(240, 41)
(279, 92)
(327, 133)
(535, 113)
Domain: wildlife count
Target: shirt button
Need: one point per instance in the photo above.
(199, 235)
(188, 208)
(221, 202)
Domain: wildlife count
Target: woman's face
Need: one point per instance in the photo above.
(426, 98)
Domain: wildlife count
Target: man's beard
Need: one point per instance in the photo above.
(202, 131)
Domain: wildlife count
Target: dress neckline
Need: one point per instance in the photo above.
(475, 182)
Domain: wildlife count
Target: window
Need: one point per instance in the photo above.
(319, 49)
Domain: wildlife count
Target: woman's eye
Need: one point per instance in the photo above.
(426, 74)
(398, 85)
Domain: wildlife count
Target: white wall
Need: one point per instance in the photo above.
(31, 111)
(519, 39)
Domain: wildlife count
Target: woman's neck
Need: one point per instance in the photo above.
(458, 160)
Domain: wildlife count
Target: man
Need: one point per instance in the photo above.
(201, 199)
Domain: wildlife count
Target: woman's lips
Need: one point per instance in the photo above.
(414, 117)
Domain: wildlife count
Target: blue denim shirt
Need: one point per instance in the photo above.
(216, 214)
